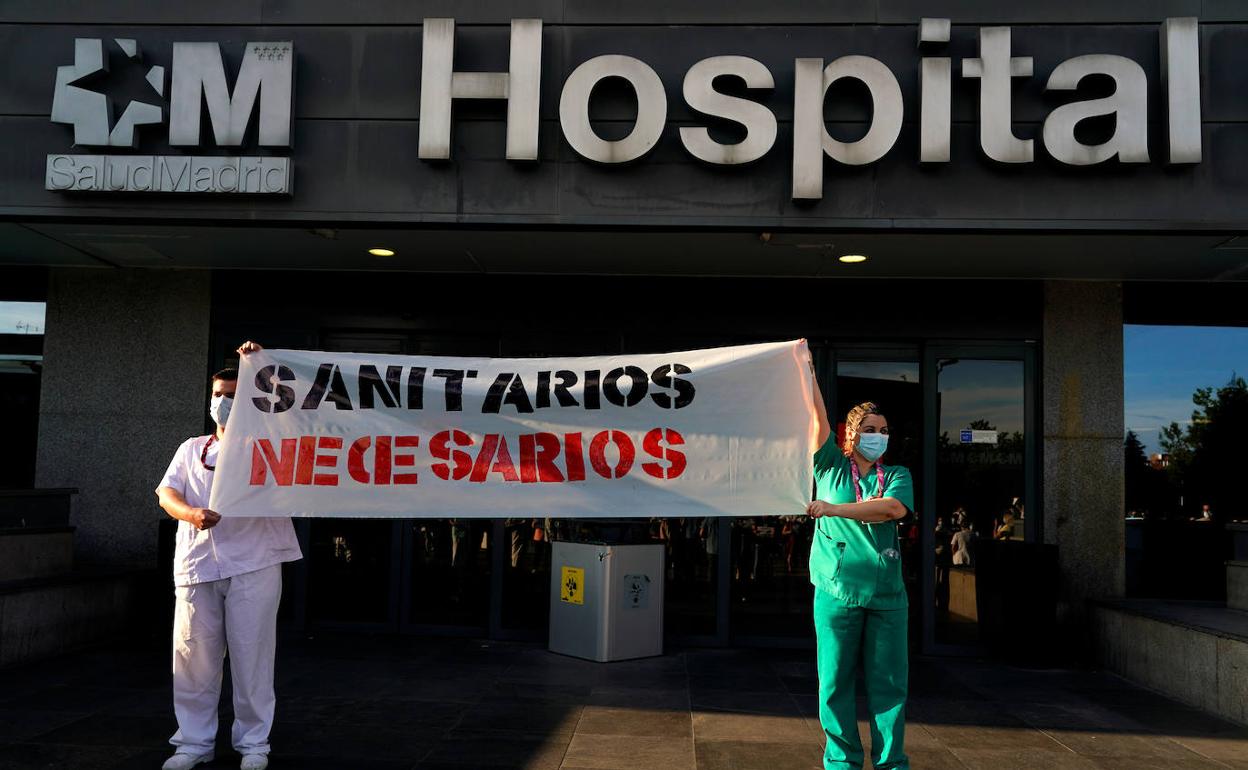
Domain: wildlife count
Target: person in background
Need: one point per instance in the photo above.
(708, 533)
(963, 547)
(227, 574)
(959, 517)
(1005, 528)
(944, 559)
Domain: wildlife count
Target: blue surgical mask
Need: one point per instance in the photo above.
(219, 409)
(872, 445)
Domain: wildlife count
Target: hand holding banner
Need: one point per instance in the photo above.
(717, 432)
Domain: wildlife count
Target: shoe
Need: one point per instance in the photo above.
(254, 762)
(181, 761)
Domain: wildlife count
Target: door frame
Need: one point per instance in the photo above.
(1026, 352)
(827, 353)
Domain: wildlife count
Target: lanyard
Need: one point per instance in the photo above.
(879, 474)
(203, 456)
(879, 492)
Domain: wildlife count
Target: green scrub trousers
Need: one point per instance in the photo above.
(877, 638)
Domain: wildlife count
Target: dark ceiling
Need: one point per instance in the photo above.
(1066, 255)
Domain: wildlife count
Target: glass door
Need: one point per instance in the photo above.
(522, 558)
(981, 456)
(771, 593)
(894, 386)
(447, 567)
(411, 575)
(352, 565)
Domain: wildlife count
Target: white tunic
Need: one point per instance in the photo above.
(234, 546)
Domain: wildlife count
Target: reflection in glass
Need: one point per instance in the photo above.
(350, 561)
(349, 571)
(771, 590)
(22, 317)
(21, 361)
(450, 572)
(691, 552)
(979, 482)
(526, 573)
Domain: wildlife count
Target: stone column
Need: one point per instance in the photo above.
(124, 383)
(1083, 433)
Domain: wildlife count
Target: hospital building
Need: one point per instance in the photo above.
(959, 205)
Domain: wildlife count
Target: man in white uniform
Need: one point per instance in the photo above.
(227, 574)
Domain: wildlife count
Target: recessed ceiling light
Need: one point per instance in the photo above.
(851, 258)
(379, 252)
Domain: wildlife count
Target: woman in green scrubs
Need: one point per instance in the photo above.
(860, 602)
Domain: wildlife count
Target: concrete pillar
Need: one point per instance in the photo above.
(123, 384)
(1083, 433)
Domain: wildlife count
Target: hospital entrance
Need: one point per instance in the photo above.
(961, 415)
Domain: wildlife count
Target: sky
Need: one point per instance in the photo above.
(25, 313)
(1164, 365)
(981, 390)
(970, 390)
(897, 371)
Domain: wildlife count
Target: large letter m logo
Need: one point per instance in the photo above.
(267, 71)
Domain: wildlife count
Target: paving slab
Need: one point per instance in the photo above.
(628, 752)
(650, 723)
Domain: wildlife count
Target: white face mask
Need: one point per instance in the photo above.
(219, 409)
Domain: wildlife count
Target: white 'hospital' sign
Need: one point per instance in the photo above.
(718, 432)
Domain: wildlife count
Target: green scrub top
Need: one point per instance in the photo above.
(860, 564)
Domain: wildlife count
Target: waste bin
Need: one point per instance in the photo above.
(606, 600)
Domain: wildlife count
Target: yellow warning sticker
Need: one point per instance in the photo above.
(572, 586)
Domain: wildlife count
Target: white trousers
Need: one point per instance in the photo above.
(238, 613)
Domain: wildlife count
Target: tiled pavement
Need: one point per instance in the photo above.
(385, 703)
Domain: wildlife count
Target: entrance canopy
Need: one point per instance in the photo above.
(1034, 255)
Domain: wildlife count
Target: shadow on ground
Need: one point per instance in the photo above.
(355, 702)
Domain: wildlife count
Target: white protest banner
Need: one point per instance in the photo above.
(719, 432)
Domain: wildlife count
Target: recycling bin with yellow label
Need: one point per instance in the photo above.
(606, 601)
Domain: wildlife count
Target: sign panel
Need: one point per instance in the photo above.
(978, 437)
(636, 592)
(167, 173)
(572, 585)
(718, 432)
(196, 81)
(264, 87)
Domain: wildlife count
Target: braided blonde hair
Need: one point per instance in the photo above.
(853, 420)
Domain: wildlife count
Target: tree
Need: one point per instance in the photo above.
(1134, 450)
(1137, 473)
(1207, 455)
